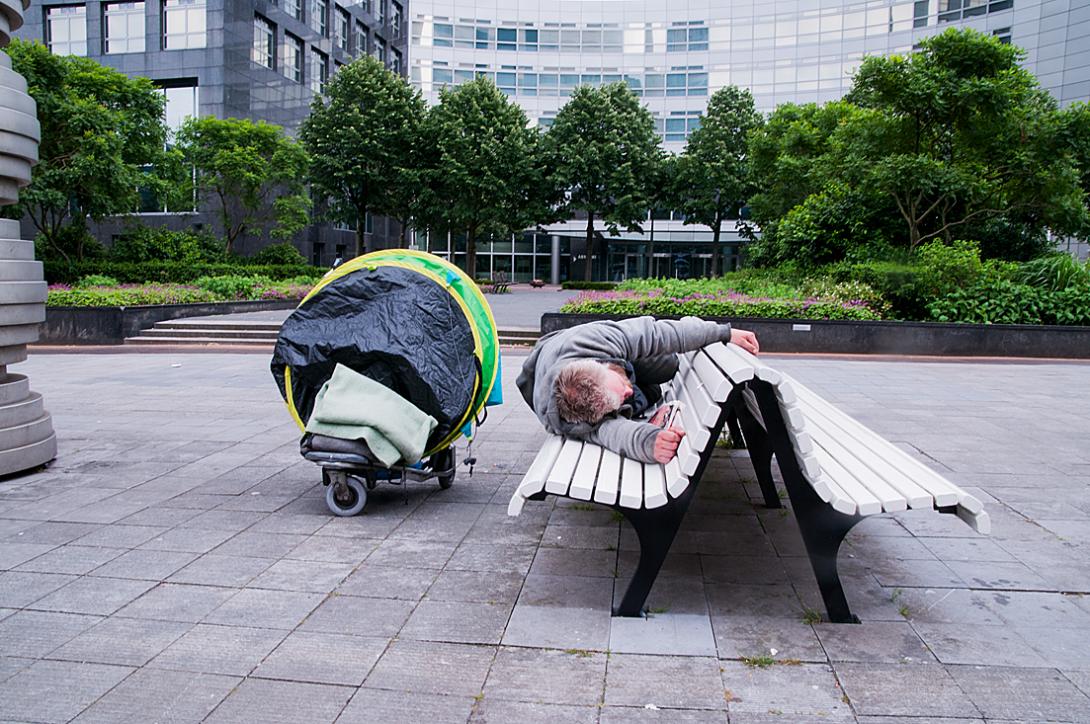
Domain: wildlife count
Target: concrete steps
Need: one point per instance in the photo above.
(260, 334)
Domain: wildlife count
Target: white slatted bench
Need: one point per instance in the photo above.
(836, 471)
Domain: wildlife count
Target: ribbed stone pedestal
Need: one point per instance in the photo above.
(26, 429)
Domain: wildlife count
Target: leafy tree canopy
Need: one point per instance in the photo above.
(956, 141)
(361, 138)
(486, 176)
(713, 180)
(100, 132)
(252, 172)
(602, 151)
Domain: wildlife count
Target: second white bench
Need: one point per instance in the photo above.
(836, 471)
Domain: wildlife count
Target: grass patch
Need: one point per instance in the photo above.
(582, 506)
(811, 616)
(758, 662)
(581, 653)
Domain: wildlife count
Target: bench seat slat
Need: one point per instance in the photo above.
(690, 421)
(738, 369)
(676, 480)
(717, 384)
(882, 475)
(706, 408)
(582, 483)
(654, 486)
(605, 489)
(631, 484)
(564, 467)
(843, 485)
(533, 481)
(804, 451)
(943, 492)
(861, 473)
(688, 458)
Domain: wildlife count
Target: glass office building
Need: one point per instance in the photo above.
(676, 54)
(257, 59)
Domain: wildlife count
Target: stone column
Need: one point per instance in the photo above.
(26, 429)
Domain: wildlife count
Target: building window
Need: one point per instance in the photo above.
(66, 29)
(1004, 35)
(342, 28)
(396, 14)
(181, 104)
(362, 33)
(123, 26)
(380, 50)
(380, 11)
(395, 61)
(319, 17)
(291, 62)
(184, 24)
(264, 51)
(294, 8)
(319, 70)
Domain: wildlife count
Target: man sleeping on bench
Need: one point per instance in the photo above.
(593, 381)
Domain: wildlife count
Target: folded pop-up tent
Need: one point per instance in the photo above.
(408, 320)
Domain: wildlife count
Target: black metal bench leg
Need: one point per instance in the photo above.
(656, 529)
(823, 529)
(760, 455)
(736, 438)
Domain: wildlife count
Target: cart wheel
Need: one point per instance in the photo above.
(445, 460)
(350, 502)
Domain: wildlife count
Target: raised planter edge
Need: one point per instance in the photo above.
(111, 325)
(899, 338)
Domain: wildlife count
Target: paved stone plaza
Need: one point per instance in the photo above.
(177, 563)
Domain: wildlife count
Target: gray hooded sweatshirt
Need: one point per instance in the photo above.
(628, 340)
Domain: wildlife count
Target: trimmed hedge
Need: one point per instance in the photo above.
(60, 272)
(721, 305)
(601, 286)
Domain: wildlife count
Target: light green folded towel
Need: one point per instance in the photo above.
(350, 406)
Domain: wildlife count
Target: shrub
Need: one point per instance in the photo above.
(1054, 272)
(280, 254)
(903, 286)
(96, 280)
(144, 243)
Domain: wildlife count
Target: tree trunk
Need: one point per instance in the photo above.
(471, 252)
(651, 249)
(402, 243)
(589, 269)
(361, 222)
(716, 230)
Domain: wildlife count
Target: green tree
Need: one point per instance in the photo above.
(100, 133)
(251, 171)
(954, 141)
(360, 138)
(485, 175)
(957, 135)
(602, 150)
(712, 174)
(1074, 122)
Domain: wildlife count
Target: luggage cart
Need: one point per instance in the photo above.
(349, 471)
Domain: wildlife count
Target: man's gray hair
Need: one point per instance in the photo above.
(582, 394)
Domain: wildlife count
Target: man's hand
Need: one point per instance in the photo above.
(745, 339)
(666, 443)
